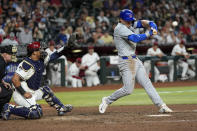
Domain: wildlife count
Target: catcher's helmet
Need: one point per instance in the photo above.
(127, 15)
(34, 46)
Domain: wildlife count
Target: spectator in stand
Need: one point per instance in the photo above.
(71, 18)
(91, 63)
(95, 40)
(10, 40)
(2, 34)
(42, 25)
(73, 74)
(80, 35)
(102, 17)
(62, 38)
(186, 29)
(37, 34)
(170, 37)
(69, 31)
(25, 36)
(153, 51)
(107, 38)
(90, 21)
(60, 19)
(104, 27)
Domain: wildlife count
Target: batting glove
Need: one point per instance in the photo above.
(153, 25)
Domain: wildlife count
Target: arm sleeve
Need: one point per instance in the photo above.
(185, 52)
(138, 24)
(56, 54)
(137, 37)
(149, 52)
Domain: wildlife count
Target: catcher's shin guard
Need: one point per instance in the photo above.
(52, 100)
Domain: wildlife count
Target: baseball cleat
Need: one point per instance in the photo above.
(6, 112)
(63, 110)
(164, 109)
(103, 106)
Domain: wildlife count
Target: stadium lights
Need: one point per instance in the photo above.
(76, 51)
(115, 50)
(190, 49)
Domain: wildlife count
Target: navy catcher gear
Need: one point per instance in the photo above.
(33, 112)
(52, 100)
(127, 15)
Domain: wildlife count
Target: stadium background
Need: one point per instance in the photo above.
(48, 20)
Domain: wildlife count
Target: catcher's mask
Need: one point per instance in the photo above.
(11, 50)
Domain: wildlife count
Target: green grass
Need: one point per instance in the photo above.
(171, 95)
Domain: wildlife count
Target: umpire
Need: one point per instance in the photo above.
(7, 54)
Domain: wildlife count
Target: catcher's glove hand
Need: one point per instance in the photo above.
(72, 42)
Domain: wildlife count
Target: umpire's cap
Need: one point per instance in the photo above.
(9, 49)
(127, 15)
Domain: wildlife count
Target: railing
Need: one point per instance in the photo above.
(153, 60)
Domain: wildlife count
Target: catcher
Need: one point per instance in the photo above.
(26, 84)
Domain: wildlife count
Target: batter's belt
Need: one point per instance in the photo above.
(127, 57)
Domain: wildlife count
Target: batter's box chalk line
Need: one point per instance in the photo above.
(159, 115)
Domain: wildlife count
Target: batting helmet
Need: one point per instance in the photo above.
(127, 15)
(34, 46)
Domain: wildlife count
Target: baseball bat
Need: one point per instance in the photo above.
(154, 31)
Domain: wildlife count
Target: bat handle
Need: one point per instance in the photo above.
(154, 31)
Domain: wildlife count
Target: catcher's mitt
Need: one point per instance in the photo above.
(72, 42)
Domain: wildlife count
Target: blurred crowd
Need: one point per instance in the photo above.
(24, 21)
(53, 21)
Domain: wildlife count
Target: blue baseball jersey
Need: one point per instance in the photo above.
(31, 71)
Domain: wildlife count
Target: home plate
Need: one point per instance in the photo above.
(160, 115)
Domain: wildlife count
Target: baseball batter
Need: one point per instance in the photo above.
(130, 66)
(26, 84)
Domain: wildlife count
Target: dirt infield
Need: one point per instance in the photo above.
(116, 118)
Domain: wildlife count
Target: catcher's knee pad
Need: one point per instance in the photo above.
(47, 92)
(35, 112)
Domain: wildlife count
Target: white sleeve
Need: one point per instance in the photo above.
(159, 51)
(25, 70)
(47, 58)
(184, 51)
(149, 52)
(174, 50)
(97, 57)
(83, 60)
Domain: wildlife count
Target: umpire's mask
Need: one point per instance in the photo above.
(11, 50)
